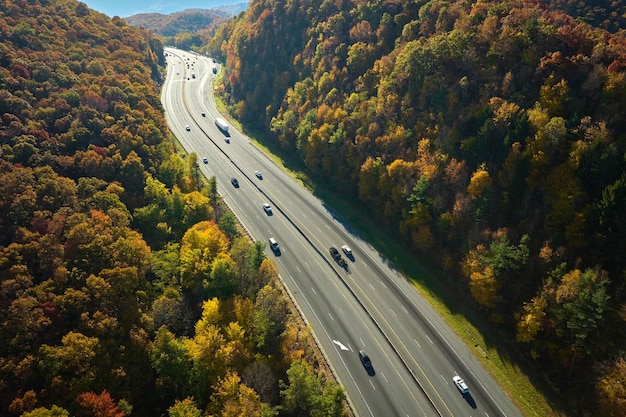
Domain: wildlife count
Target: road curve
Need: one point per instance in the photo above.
(367, 305)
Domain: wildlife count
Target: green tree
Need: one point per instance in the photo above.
(170, 360)
(581, 307)
(244, 253)
(133, 174)
(228, 224)
(73, 366)
(270, 317)
(223, 277)
(165, 264)
(301, 393)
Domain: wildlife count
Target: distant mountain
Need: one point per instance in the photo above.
(190, 20)
(130, 8)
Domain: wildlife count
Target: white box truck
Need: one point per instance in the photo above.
(222, 125)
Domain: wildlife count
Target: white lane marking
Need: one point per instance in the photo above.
(313, 289)
(372, 384)
(405, 310)
(331, 317)
(393, 312)
(417, 343)
(429, 339)
(383, 375)
(341, 345)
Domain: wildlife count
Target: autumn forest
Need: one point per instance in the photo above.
(488, 135)
(127, 287)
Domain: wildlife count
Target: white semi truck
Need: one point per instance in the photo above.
(222, 125)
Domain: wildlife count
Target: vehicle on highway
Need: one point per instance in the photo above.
(234, 182)
(267, 208)
(222, 125)
(460, 384)
(205, 160)
(365, 360)
(274, 246)
(258, 174)
(337, 256)
(346, 249)
(187, 128)
(203, 114)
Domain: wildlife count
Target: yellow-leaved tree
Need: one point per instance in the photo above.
(199, 247)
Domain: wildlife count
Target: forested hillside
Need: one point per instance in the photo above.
(125, 285)
(489, 135)
(188, 29)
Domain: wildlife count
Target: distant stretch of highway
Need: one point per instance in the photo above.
(352, 303)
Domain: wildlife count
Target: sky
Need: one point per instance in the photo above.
(125, 8)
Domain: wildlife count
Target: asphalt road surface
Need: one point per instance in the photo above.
(365, 305)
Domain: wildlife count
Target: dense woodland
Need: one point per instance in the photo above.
(125, 285)
(489, 135)
(186, 29)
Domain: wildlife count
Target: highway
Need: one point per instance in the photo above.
(367, 305)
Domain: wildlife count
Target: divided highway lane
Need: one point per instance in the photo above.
(338, 321)
(428, 348)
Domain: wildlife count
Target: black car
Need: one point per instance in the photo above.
(365, 360)
(234, 182)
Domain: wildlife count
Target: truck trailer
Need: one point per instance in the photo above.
(222, 125)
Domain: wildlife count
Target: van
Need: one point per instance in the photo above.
(274, 245)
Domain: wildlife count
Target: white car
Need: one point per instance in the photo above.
(258, 174)
(460, 384)
(187, 128)
(346, 249)
(267, 208)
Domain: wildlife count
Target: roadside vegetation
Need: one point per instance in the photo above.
(487, 137)
(126, 287)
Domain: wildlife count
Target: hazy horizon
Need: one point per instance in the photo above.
(127, 8)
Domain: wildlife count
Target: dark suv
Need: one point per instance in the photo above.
(274, 246)
(337, 256)
(367, 363)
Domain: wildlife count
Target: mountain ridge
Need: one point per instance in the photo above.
(189, 20)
